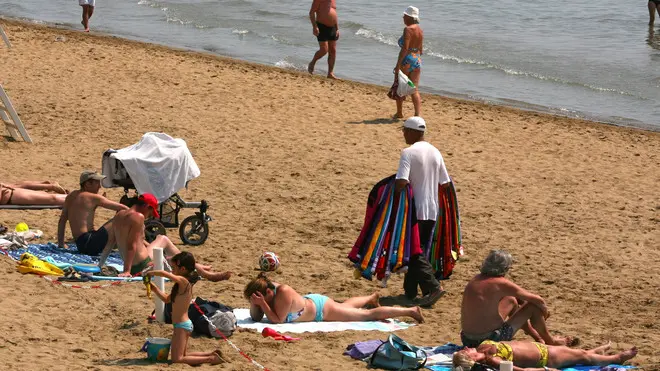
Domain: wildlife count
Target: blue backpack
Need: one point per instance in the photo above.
(396, 354)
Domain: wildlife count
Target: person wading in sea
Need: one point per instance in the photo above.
(323, 15)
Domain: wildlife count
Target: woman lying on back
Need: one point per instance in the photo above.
(282, 304)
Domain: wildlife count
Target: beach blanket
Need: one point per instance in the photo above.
(157, 164)
(62, 258)
(390, 235)
(574, 368)
(437, 355)
(243, 320)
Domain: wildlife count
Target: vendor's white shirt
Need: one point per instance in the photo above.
(422, 165)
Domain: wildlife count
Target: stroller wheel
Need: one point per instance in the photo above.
(152, 228)
(193, 230)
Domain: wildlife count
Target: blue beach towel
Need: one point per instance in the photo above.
(65, 257)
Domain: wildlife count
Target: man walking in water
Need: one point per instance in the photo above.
(87, 11)
(323, 15)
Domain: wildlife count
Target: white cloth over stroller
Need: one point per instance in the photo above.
(157, 164)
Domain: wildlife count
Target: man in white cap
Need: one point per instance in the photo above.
(422, 166)
(79, 209)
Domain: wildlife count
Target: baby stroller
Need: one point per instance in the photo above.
(160, 165)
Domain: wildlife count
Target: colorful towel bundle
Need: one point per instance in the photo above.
(390, 235)
(446, 247)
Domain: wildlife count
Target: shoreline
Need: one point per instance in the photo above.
(287, 162)
(522, 106)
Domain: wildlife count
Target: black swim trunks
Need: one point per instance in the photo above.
(326, 33)
(93, 242)
(504, 333)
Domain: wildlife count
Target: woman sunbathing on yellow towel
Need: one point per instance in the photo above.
(536, 356)
(282, 304)
(32, 193)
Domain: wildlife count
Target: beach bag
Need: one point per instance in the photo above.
(406, 87)
(396, 354)
(219, 316)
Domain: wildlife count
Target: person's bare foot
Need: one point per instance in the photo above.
(417, 315)
(59, 189)
(310, 68)
(332, 76)
(602, 349)
(374, 301)
(87, 29)
(218, 359)
(628, 354)
(397, 116)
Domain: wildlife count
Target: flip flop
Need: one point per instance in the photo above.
(269, 332)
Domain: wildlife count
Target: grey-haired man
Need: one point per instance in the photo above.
(494, 308)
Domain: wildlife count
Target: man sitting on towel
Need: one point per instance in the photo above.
(128, 234)
(494, 308)
(79, 209)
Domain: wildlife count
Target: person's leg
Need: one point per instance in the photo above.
(85, 17)
(332, 55)
(652, 9)
(178, 349)
(416, 98)
(169, 249)
(29, 197)
(427, 281)
(399, 109)
(40, 186)
(91, 11)
(323, 50)
(532, 313)
(363, 301)
(508, 307)
(562, 356)
(334, 311)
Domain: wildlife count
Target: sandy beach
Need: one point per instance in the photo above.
(287, 162)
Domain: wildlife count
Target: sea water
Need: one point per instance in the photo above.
(594, 60)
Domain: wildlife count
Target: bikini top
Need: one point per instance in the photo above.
(504, 351)
(291, 316)
(401, 43)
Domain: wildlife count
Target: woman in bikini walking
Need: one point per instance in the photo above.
(410, 57)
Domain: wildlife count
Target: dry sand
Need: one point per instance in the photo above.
(287, 162)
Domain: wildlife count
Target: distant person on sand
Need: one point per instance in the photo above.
(87, 11)
(423, 167)
(128, 234)
(323, 15)
(654, 6)
(410, 57)
(32, 193)
(494, 308)
(79, 209)
(282, 304)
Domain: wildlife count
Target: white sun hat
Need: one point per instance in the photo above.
(412, 12)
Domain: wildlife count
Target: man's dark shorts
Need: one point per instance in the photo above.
(504, 333)
(92, 242)
(326, 33)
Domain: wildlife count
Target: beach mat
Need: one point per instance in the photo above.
(243, 320)
(574, 368)
(64, 257)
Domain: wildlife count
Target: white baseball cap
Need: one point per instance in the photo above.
(415, 123)
(412, 12)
